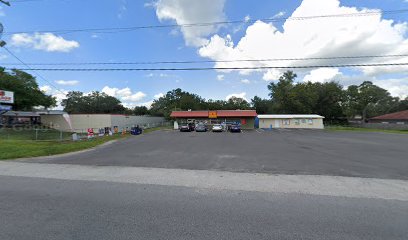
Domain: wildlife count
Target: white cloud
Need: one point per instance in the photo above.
(43, 41)
(187, 12)
(279, 14)
(159, 95)
(58, 94)
(220, 77)
(125, 94)
(245, 81)
(337, 36)
(322, 75)
(238, 95)
(67, 82)
(272, 75)
(396, 87)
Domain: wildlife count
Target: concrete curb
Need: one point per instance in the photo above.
(216, 180)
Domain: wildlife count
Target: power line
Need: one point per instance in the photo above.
(216, 68)
(206, 24)
(211, 61)
(31, 69)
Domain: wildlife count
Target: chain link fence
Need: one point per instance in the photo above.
(39, 133)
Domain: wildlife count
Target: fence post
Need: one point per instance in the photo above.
(36, 134)
(60, 135)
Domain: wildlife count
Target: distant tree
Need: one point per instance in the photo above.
(96, 102)
(359, 99)
(141, 110)
(305, 97)
(235, 103)
(216, 104)
(262, 106)
(27, 93)
(177, 100)
(280, 93)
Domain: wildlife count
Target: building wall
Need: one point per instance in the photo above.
(81, 122)
(317, 123)
(250, 122)
(55, 121)
(123, 121)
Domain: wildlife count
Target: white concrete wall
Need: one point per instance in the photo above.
(55, 121)
(81, 122)
(303, 123)
(123, 121)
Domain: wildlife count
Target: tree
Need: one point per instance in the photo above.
(141, 110)
(177, 100)
(96, 102)
(363, 97)
(280, 93)
(235, 103)
(262, 106)
(27, 93)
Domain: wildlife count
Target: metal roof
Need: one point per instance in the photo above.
(236, 113)
(20, 114)
(220, 113)
(189, 114)
(288, 116)
(402, 115)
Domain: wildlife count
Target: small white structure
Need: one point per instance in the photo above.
(291, 121)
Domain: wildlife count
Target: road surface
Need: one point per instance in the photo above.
(55, 201)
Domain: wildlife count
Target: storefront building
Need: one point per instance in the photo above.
(246, 118)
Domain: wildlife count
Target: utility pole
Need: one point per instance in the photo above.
(5, 2)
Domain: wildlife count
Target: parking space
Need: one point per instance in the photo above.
(277, 151)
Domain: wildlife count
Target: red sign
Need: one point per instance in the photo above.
(243, 121)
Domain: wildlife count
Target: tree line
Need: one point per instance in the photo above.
(286, 96)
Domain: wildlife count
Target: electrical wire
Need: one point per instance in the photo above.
(211, 61)
(206, 24)
(215, 68)
(31, 69)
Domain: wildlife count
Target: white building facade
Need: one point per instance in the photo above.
(311, 121)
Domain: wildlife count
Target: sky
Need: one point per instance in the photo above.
(29, 30)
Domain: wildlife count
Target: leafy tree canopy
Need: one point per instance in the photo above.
(96, 102)
(27, 93)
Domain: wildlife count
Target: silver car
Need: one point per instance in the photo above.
(217, 128)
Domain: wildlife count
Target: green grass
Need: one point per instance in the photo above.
(16, 148)
(31, 134)
(357, 129)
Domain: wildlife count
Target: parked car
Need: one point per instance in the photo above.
(235, 128)
(185, 128)
(217, 128)
(136, 130)
(201, 128)
(191, 126)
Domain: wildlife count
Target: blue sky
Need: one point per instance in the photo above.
(255, 40)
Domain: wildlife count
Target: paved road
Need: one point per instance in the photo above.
(49, 209)
(311, 152)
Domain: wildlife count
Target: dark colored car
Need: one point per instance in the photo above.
(185, 128)
(136, 130)
(191, 126)
(201, 128)
(235, 128)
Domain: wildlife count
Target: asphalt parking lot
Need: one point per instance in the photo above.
(298, 151)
